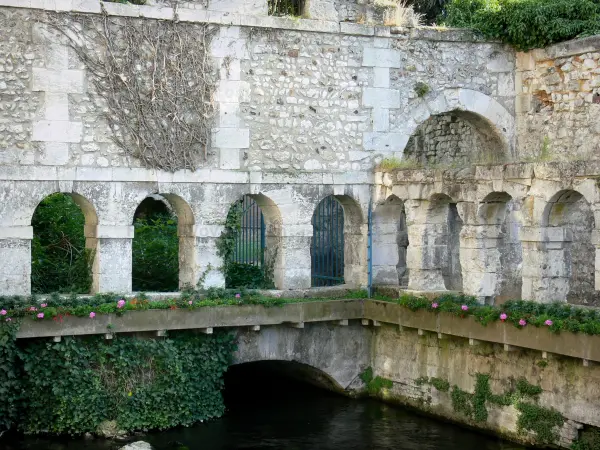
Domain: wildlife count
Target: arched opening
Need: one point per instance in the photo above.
(249, 249)
(442, 240)
(327, 245)
(456, 138)
(163, 250)
(501, 247)
(390, 243)
(570, 254)
(63, 250)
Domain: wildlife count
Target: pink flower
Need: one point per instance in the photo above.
(190, 302)
(92, 315)
(522, 322)
(503, 317)
(120, 304)
(434, 305)
(464, 307)
(33, 308)
(43, 305)
(237, 295)
(40, 316)
(548, 322)
(3, 312)
(8, 319)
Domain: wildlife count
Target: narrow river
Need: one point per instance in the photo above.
(268, 411)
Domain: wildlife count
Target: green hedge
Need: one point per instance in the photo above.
(526, 24)
(72, 386)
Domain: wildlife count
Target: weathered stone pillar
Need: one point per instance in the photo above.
(596, 243)
(187, 256)
(112, 266)
(385, 253)
(292, 268)
(546, 263)
(355, 254)
(426, 252)
(480, 260)
(15, 260)
(208, 271)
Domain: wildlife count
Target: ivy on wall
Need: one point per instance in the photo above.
(76, 385)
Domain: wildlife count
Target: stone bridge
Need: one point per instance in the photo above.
(331, 343)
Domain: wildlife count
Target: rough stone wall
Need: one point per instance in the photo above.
(349, 10)
(453, 139)
(405, 357)
(559, 101)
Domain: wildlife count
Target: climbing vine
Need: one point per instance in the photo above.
(374, 384)
(156, 80)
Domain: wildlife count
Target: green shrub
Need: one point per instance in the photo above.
(526, 24)
(74, 385)
(156, 254)
(59, 260)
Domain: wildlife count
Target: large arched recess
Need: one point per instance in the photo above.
(569, 252)
(88, 232)
(186, 253)
(342, 240)
(390, 242)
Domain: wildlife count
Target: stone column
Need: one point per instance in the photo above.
(596, 243)
(546, 265)
(112, 268)
(292, 267)
(187, 256)
(480, 260)
(355, 254)
(15, 260)
(385, 253)
(427, 249)
(208, 269)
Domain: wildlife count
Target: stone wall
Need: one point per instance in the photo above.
(559, 101)
(408, 358)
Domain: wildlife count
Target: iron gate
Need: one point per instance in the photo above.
(327, 249)
(250, 240)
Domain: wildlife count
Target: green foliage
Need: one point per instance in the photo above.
(555, 317)
(74, 385)
(527, 389)
(542, 421)
(375, 384)
(461, 401)
(422, 89)
(155, 254)
(439, 384)
(589, 440)
(526, 24)
(59, 260)
(10, 377)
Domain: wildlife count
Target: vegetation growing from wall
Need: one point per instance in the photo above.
(74, 386)
(156, 79)
(526, 24)
(374, 384)
(533, 418)
(59, 260)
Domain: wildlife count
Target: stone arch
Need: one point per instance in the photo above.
(266, 228)
(89, 231)
(479, 110)
(435, 259)
(352, 241)
(567, 225)
(390, 242)
(491, 252)
(186, 235)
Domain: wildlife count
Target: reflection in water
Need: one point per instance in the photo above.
(269, 411)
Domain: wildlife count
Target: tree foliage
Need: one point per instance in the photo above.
(526, 24)
(59, 260)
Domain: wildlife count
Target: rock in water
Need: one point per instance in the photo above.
(139, 445)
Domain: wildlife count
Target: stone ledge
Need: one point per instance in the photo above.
(579, 346)
(590, 44)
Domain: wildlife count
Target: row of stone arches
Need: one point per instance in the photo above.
(487, 249)
(259, 241)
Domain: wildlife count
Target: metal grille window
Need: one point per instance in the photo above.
(250, 240)
(327, 249)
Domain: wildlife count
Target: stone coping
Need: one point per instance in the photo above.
(229, 18)
(590, 44)
(580, 345)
